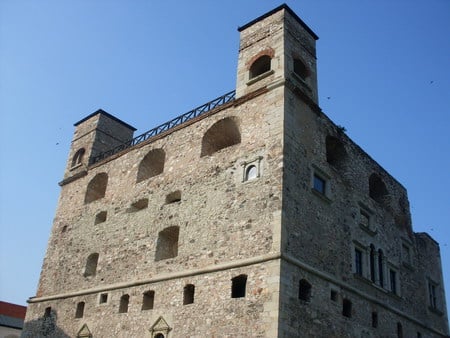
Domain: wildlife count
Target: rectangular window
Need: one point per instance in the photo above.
(358, 262)
(103, 298)
(319, 184)
(393, 281)
(432, 295)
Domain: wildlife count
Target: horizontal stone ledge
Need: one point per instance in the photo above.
(162, 277)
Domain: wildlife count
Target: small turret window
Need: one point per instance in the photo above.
(78, 157)
(260, 66)
(300, 69)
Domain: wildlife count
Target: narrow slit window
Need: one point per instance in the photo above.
(188, 294)
(79, 313)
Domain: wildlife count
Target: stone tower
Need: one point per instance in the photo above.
(253, 215)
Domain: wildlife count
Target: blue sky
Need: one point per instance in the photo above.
(384, 74)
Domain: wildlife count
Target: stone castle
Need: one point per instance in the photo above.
(253, 215)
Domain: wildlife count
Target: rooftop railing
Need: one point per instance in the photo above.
(228, 97)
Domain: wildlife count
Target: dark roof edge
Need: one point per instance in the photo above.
(279, 8)
(101, 111)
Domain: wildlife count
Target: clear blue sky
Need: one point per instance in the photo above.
(385, 66)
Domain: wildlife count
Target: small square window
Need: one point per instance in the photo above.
(319, 184)
(103, 298)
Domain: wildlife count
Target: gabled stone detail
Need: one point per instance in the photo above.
(160, 326)
(84, 332)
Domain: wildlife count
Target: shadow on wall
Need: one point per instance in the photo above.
(44, 326)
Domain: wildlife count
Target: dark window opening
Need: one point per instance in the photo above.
(78, 157)
(100, 217)
(159, 335)
(336, 153)
(358, 262)
(377, 189)
(399, 330)
(374, 319)
(432, 295)
(333, 295)
(124, 300)
(173, 197)
(319, 184)
(167, 244)
(304, 290)
(238, 286)
(381, 267)
(372, 263)
(188, 294)
(91, 265)
(222, 134)
(151, 165)
(393, 281)
(103, 298)
(300, 69)
(48, 311)
(347, 308)
(148, 300)
(260, 66)
(96, 188)
(80, 310)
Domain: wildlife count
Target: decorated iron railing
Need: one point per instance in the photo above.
(228, 97)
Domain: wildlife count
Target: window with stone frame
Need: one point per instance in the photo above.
(432, 295)
(358, 262)
(393, 281)
(260, 66)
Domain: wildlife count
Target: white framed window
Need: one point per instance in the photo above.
(251, 170)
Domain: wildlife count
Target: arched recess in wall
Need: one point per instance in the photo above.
(96, 188)
(336, 154)
(167, 243)
(260, 66)
(78, 157)
(220, 135)
(377, 189)
(151, 165)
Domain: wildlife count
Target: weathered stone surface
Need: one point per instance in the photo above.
(192, 218)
